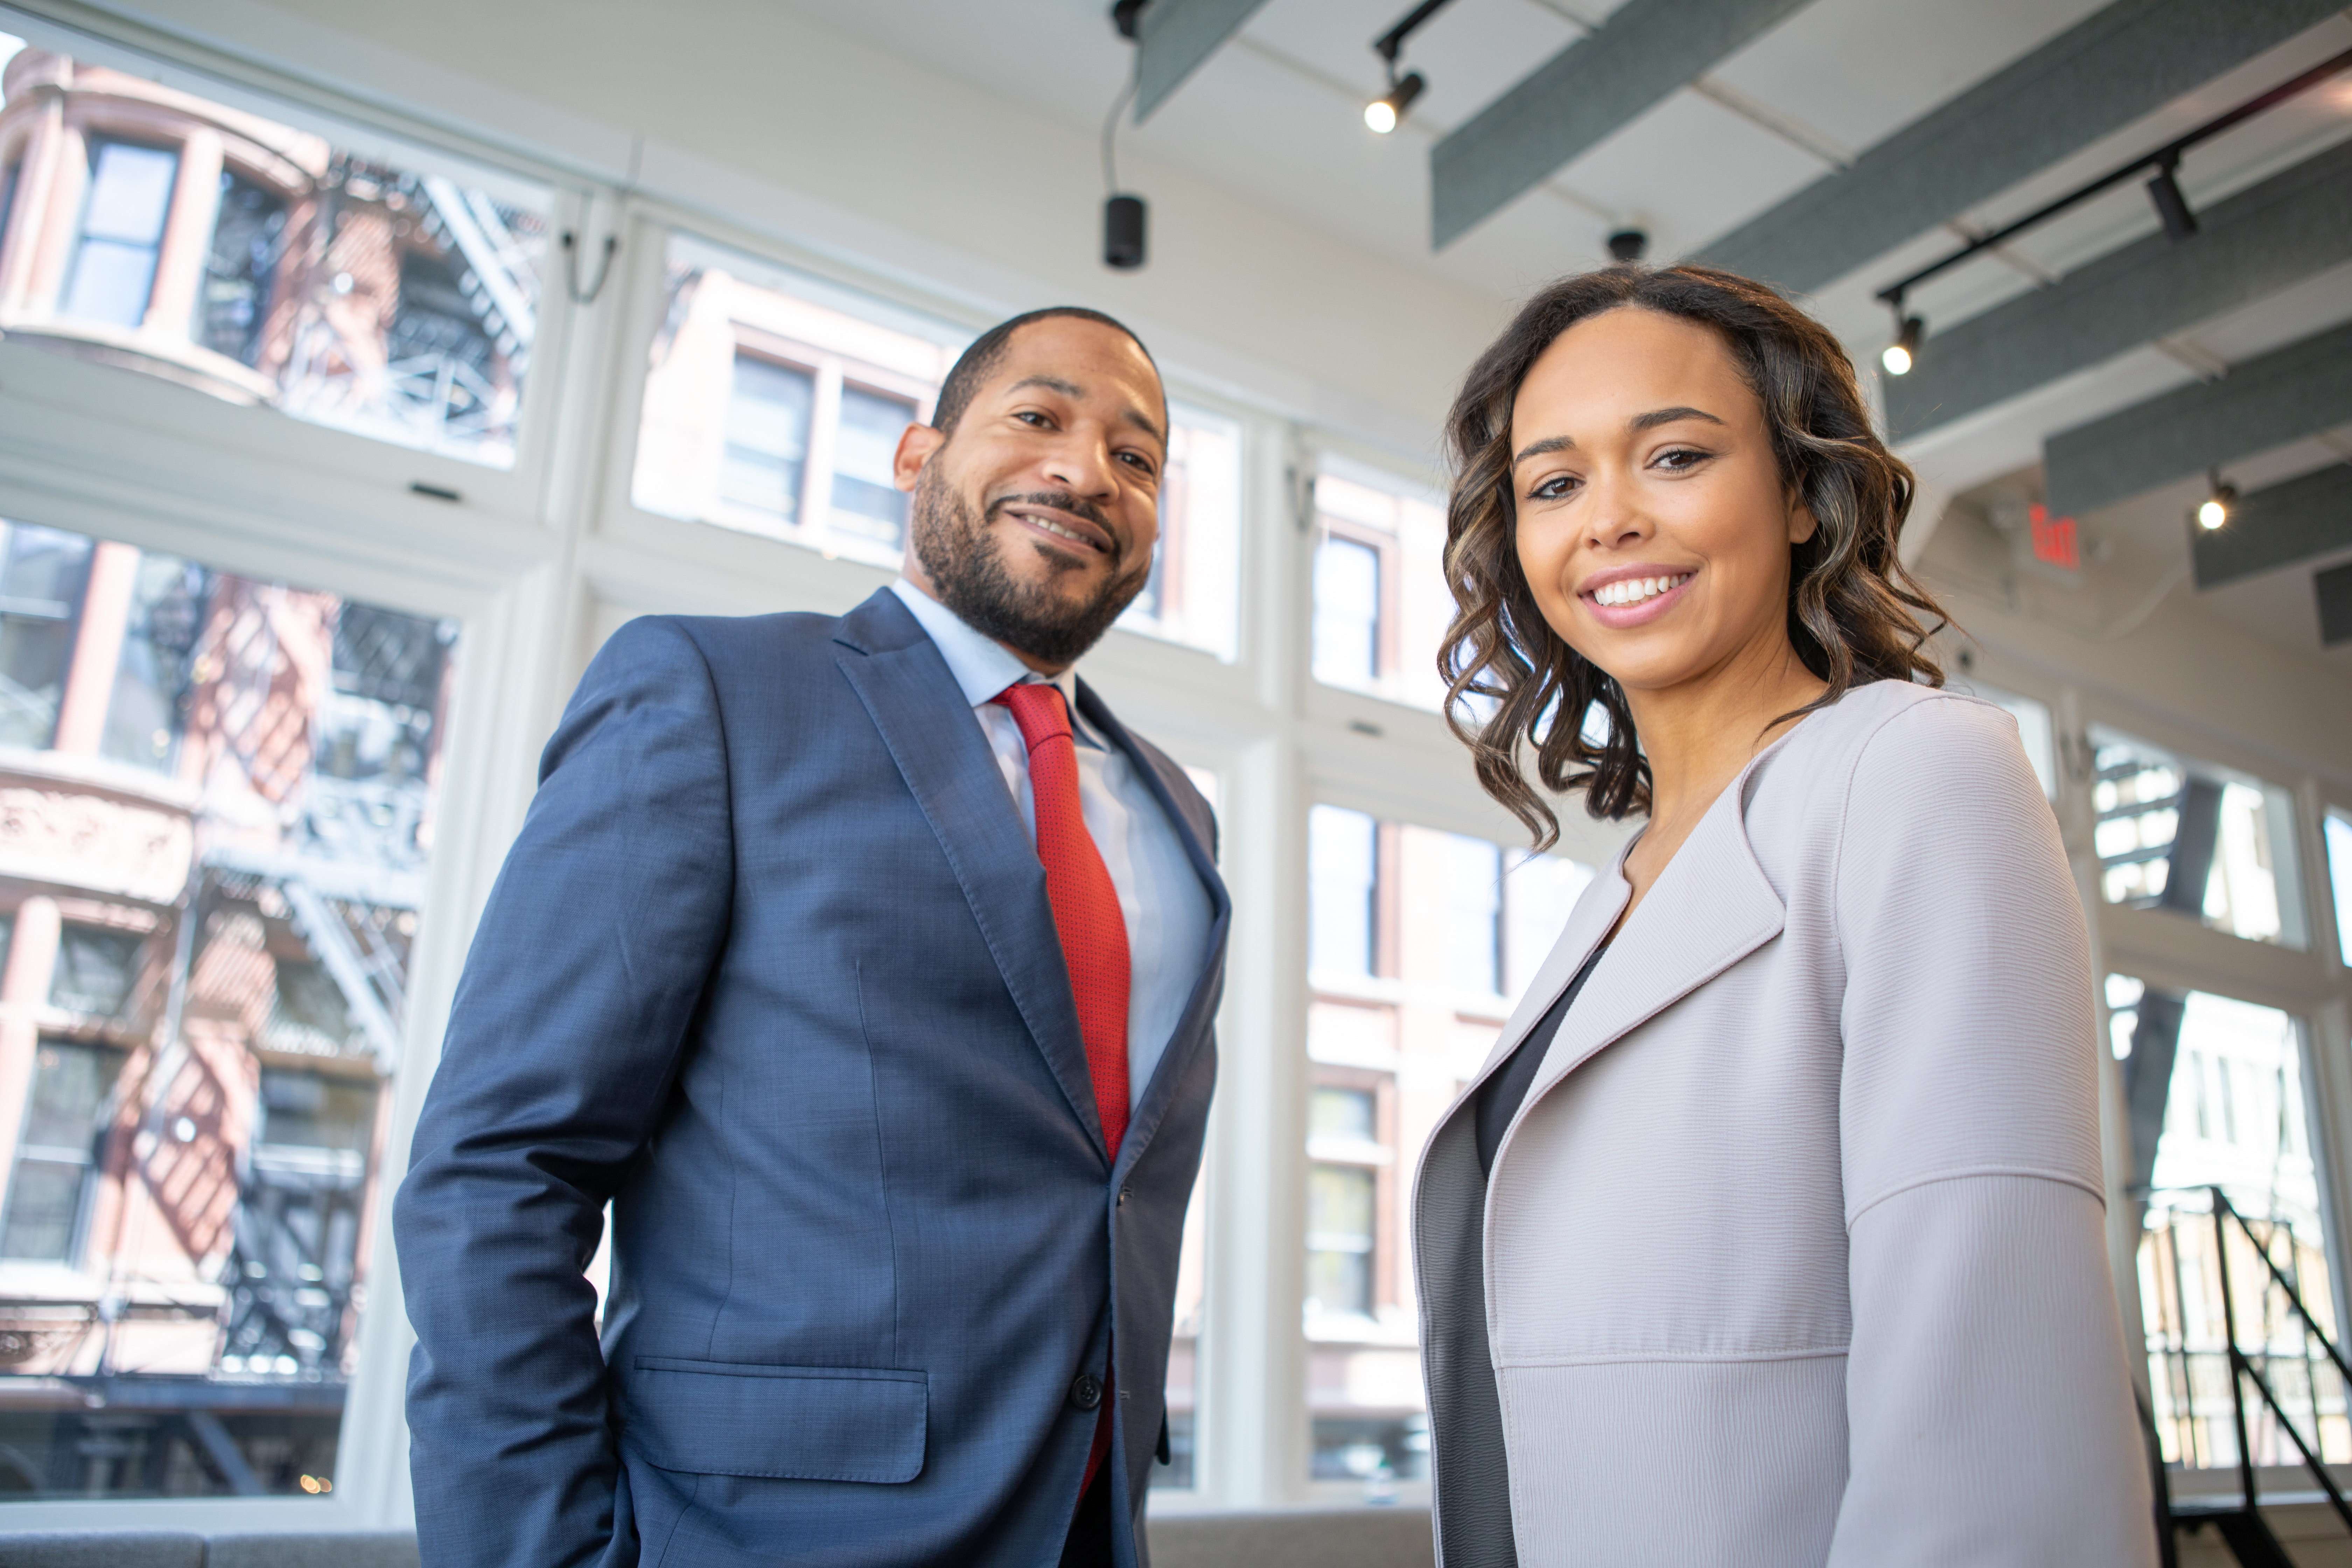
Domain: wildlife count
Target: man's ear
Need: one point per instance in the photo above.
(916, 445)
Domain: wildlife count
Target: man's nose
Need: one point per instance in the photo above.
(1081, 462)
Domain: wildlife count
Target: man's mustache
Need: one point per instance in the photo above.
(1064, 500)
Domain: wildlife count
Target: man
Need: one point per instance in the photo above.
(866, 967)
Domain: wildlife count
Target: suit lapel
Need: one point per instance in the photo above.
(1191, 1029)
(898, 673)
(1711, 908)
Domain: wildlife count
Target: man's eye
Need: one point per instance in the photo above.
(1032, 417)
(1137, 462)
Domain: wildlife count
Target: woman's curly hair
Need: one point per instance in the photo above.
(1855, 615)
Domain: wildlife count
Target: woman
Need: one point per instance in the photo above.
(1772, 1233)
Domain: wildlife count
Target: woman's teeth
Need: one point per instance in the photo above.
(1633, 590)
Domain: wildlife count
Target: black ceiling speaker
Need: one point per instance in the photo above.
(1628, 245)
(1124, 242)
(1126, 15)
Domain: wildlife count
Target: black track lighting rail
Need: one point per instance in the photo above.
(2177, 221)
(1391, 44)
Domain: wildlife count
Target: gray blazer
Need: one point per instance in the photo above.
(1795, 1254)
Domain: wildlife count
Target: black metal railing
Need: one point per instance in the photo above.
(2298, 1375)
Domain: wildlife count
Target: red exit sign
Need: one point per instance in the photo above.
(2057, 541)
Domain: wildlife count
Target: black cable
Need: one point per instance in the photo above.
(1111, 127)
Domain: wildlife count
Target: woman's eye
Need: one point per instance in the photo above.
(1553, 489)
(1679, 457)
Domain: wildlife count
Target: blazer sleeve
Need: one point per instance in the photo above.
(1988, 1402)
(576, 1001)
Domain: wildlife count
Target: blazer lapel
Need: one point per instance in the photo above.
(1192, 1027)
(898, 673)
(1709, 908)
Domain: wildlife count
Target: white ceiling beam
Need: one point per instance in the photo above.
(2116, 67)
(1644, 51)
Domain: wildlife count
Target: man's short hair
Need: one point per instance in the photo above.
(987, 352)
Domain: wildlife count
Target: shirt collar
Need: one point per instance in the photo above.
(982, 665)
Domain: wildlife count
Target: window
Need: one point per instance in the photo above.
(2217, 1095)
(2337, 830)
(867, 500)
(58, 1150)
(1381, 601)
(767, 438)
(2197, 839)
(9, 173)
(394, 294)
(241, 271)
(122, 233)
(96, 971)
(205, 1137)
(41, 573)
(1343, 919)
(1416, 938)
(169, 597)
(774, 402)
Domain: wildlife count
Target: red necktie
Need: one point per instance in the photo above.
(1092, 930)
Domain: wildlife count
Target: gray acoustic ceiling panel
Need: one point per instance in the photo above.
(1645, 50)
(2281, 397)
(1172, 40)
(2277, 527)
(2334, 587)
(2096, 78)
(2255, 243)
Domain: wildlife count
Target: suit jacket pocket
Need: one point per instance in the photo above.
(788, 1423)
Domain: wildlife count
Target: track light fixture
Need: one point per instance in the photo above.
(1383, 113)
(1899, 354)
(2171, 206)
(1628, 244)
(2214, 510)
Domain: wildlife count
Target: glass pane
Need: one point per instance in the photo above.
(865, 501)
(2175, 832)
(767, 437)
(1342, 864)
(8, 180)
(1181, 1471)
(2221, 1084)
(95, 971)
(41, 573)
(153, 680)
(1345, 1114)
(1373, 635)
(292, 738)
(375, 288)
(2338, 833)
(1391, 1051)
(721, 443)
(1194, 593)
(121, 229)
(241, 270)
(1346, 613)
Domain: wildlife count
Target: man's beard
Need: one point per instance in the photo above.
(966, 566)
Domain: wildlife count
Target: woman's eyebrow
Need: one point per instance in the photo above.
(1657, 416)
(1538, 448)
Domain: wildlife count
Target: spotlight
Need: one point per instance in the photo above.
(2171, 206)
(1628, 245)
(1383, 112)
(1904, 348)
(2214, 510)
(1123, 232)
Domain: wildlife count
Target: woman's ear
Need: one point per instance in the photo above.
(1802, 523)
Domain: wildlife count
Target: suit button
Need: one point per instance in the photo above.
(1087, 1392)
(1124, 1193)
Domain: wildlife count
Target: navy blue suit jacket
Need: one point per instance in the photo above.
(771, 970)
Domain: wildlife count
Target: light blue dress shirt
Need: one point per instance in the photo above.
(1160, 895)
